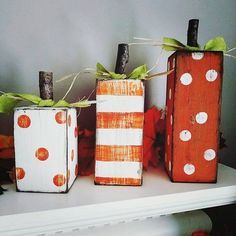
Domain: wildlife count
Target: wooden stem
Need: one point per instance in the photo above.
(192, 32)
(46, 85)
(122, 58)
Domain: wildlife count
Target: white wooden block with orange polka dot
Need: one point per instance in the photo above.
(193, 102)
(45, 148)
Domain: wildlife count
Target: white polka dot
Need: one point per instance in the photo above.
(170, 93)
(209, 154)
(186, 79)
(201, 117)
(197, 55)
(171, 120)
(211, 75)
(169, 165)
(173, 63)
(185, 135)
(189, 169)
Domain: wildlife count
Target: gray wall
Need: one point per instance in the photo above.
(65, 36)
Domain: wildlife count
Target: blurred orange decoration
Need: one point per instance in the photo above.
(153, 137)
(86, 152)
(6, 147)
(200, 233)
(6, 158)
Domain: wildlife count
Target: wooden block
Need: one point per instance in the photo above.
(45, 148)
(119, 132)
(193, 112)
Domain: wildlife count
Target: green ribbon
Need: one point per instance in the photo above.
(214, 44)
(8, 102)
(139, 73)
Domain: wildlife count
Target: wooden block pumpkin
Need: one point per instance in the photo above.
(45, 148)
(119, 132)
(193, 112)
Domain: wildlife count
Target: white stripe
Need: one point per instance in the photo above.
(118, 169)
(112, 103)
(119, 137)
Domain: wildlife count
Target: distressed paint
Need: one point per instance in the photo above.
(119, 132)
(44, 149)
(193, 113)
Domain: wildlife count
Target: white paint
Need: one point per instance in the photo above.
(168, 65)
(118, 169)
(186, 79)
(185, 135)
(211, 75)
(173, 63)
(201, 117)
(197, 55)
(189, 169)
(119, 137)
(111, 103)
(209, 154)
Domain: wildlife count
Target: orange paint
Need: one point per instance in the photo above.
(76, 132)
(20, 173)
(72, 155)
(42, 154)
(59, 180)
(68, 175)
(69, 120)
(119, 153)
(118, 181)
(60, 117)
(23, 121)
(121, 87)
(120, 120)
(188, 135)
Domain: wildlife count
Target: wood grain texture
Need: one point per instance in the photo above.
(119, 153)
(119, 132)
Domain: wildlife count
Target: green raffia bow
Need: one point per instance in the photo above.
(214, 44)
(138, 73)
(9, 100)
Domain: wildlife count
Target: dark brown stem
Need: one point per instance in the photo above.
(122, 58)
(192, 32)
(46, 85)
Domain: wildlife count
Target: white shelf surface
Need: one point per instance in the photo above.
(88, 205)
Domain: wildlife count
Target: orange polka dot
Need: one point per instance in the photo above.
(42, 154)
(59, 180)
(60, 117)
(76, 132)
(23, 121)
(20, 173)
(69, 120)
(76, 170)
(72, 155)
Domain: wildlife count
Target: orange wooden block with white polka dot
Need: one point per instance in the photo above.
(193, 111)
(119, 132)
(45, 148)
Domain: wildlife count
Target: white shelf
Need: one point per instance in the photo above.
(88, 205)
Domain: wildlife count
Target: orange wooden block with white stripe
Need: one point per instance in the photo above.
(119, 132)
(193, 113)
